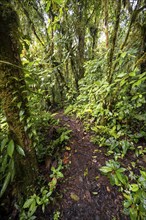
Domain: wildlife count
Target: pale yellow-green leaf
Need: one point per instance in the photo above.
(68, 148)
(86, 172)
(74, 197)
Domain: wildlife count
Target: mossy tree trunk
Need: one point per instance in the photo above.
(110, 71)
(13, 98)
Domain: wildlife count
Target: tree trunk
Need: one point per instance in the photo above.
(81, 41)
(113, 43)
(13, 97)
(143, 64)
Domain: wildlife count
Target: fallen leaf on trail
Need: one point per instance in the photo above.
(86, 172)
(95, 151)
(94, 161)
(68, 148)
(74, 197)
(94, 193)
(66, 158)
(65, 161)
(108, 189)
(97, 177)
(87, 196)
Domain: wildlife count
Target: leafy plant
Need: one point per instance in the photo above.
(57, 172)
(56, 215)
(140, 150)
(135, 198)
(115, 173)
(43, 198)
(7, 163)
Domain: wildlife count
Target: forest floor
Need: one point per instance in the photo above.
(86, 194)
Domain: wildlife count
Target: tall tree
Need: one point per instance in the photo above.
(12, 92)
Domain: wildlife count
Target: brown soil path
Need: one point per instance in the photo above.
(87, 195)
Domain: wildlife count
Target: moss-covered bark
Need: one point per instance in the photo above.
(12, 92)
(113, 43)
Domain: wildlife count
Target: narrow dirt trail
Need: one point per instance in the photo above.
(86, 194)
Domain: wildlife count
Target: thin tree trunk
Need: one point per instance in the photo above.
(113, 43)
(106, 22)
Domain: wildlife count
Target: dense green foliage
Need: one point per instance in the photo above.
(88, 57)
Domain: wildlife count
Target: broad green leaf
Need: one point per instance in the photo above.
(19, 104)
(60, 175)
(120, 176)
(142, 75)
(120, 170)
(32, 217)
(4, 163)
(137, 83)
(123, 81)
(142, 181)
(123, 54)
(33, 207)
(6, 182)
(143, 173)
(3, 143)
(127, 203)
(112, 179)
(43, 208)
(127, 196)
(105, 169)
(116, 179)
(134, 187)
(132, 74)
(121, 75)
(44, 192)
(20, 150)
(12, 175)
(28, 203)
(59, 2)
(30, 81)
(38, 200)
(21, 113)
(142, 206)
(133, 213)
(48, 6)
(10, 149)
(114, 165)
(11, 164)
